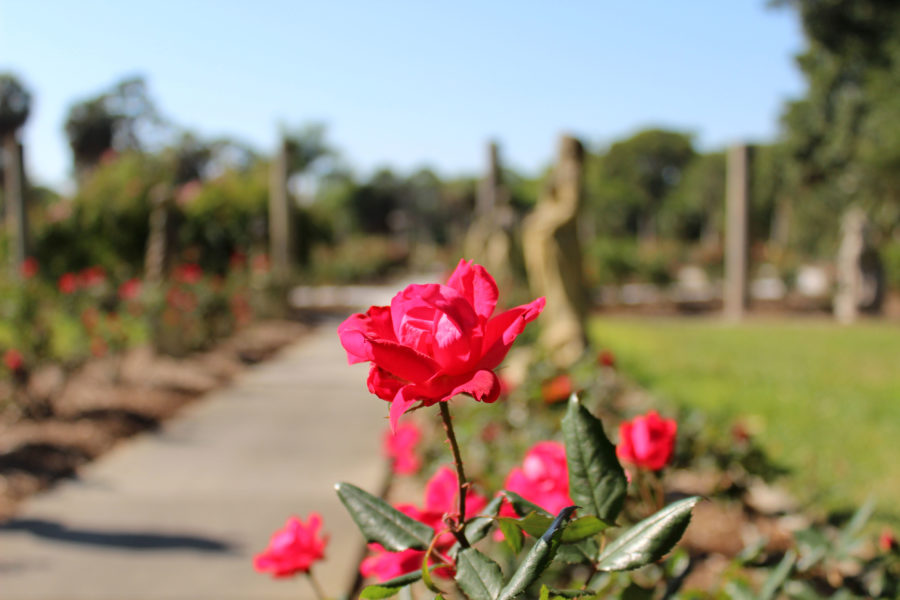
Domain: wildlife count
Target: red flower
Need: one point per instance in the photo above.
(440, 499)
(131, 289)
(886, 541)
(436, 341)
(648, 441)
(92, 276)
(13, 360)
(606, 358)
(400, 447)
(293, 549)
(188, 273)
(68, 283)
(542, 479)
(557, 389)
(29, 267)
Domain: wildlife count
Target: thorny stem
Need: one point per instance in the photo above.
(457, 528)
(315, 586)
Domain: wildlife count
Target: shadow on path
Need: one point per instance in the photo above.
(130, 540)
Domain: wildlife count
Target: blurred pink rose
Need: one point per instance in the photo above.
(400, 447)
(131, 289)
(440, 500)
(294, 548)
(647, 441)
(436, 341)
(29, 267)
(543, 478)
(68, 283)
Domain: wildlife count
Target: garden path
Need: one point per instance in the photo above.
(179, 514)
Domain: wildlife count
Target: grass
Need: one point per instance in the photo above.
(824, 399)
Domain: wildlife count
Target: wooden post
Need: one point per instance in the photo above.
(16, 210)
(737, 192)
(281, 244)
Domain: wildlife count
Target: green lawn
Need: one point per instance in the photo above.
(826, 398)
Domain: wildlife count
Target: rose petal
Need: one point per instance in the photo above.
(502, 331)
(400, 404)
(477, 286)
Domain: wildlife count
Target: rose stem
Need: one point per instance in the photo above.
(315, 585)
(460, 474)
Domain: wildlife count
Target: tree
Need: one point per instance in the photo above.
(119, 119)
(629, 184)
(15, 105)
(841, 138)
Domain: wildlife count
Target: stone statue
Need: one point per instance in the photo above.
(860, 275)
(553, 257)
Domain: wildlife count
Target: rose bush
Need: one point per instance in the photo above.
(436, 341)
(647, 441)
(294, 548)
(440, 500)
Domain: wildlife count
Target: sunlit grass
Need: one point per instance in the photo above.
(825, 398)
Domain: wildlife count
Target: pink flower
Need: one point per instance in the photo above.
(440, 500)
(13, 360)
(68, 283)
(29, 267)
(886, 541)
(557, 389)
(293, 549)
(436, 341)
(400, 447)
(543, 478)
(648, 441)
(131, 289)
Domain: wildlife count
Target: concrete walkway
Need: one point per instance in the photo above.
(179, 514)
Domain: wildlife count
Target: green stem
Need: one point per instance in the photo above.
(315, 586)
(460, 474)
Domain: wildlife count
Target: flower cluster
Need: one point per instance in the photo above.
(294, 548)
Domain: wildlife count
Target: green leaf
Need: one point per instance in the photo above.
(478, 527)
(388, 588)
(545, 593)
(584, 551)
(382, 523)
(477, 575)
(582, 528)
(522, 506)
(849, 536)
(512, 533)
(596, 480)
(778, 576)
(650, 539)
(538, 558)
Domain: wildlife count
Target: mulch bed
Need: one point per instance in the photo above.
(110, 399)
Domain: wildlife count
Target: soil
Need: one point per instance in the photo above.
(109, 399)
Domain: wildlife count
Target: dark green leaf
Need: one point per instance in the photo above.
(596, 480)
(584, 551)
(778, 576)
(534, 524)
(522, 506)
(381, 523)
(650, 539)
(538, 558)
(477, 575)
(388, 588)
(512, 533)
(570, 593)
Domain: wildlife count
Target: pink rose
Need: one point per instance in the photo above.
(400, 445)
(436, 341)
(13, 360)
(440, 500)
(131, 289)
(293, 549)
(68, 283)
(648, 441)
(29, 267)
(543, 478)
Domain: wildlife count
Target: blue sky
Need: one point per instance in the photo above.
(411, 84)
